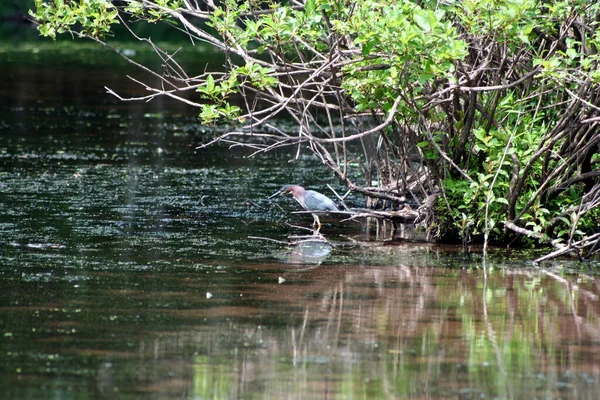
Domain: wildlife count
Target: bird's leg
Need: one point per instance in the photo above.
(317, 222)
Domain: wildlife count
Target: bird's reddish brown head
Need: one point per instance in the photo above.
(294, 190)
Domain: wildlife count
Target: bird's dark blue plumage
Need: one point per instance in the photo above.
(315, 201)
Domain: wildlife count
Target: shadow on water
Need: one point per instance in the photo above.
(126, 271)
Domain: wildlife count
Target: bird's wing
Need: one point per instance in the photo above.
(318, 202)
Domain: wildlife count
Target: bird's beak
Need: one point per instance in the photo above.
(277, 193)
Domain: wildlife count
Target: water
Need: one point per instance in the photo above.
(126, 270)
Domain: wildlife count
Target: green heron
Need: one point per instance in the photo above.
(309, 200)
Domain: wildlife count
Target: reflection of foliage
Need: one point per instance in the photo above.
(211, 379)
(400, 332)
(492, 107)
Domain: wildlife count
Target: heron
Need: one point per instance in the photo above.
(310, 200)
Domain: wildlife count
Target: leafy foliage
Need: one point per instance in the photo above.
(94, 17)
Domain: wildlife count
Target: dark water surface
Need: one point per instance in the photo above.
(126, 271)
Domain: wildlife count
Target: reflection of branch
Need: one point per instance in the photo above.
(491, 333)
(567, 284)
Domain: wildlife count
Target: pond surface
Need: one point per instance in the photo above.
(127, 272)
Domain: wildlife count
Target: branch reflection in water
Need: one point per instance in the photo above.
(389, 331)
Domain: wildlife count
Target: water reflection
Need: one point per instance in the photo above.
(334, 331)
(306, 252)
(406, 331)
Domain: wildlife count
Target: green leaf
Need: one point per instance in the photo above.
(209, 114)
(572, 53)
(564, 220)
(309, 7)
(421, 19)
(210, 84)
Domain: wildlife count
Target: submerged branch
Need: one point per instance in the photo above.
(573, 247)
